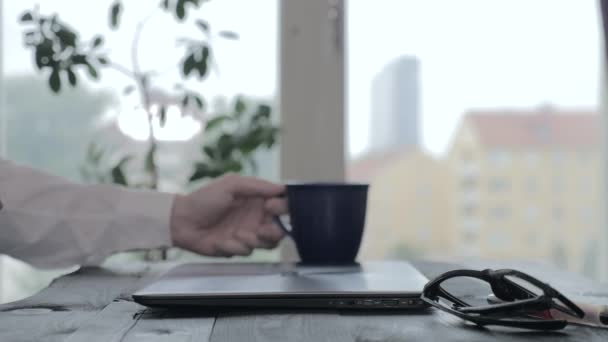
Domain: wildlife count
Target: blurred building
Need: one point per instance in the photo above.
(527, 184)
(406, 206)
(395, 106)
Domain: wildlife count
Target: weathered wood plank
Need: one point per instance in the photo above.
(35, 325)
(173, 326)
(90, 288)
(72, 301)
(110, 324)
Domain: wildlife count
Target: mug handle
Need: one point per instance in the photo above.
(277, 220)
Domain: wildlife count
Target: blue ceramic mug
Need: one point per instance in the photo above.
(326, 221)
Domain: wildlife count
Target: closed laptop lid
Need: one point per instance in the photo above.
(288, 280)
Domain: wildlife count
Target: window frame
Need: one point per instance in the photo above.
(312, 94)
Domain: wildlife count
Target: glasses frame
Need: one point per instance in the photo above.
(519, 301)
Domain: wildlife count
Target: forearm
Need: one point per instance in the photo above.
(51, 222)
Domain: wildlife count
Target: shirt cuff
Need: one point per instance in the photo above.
(144, 219)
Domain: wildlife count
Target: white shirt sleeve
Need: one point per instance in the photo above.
(49, 221)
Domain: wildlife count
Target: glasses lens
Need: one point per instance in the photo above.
(533, 289)
(471, 291)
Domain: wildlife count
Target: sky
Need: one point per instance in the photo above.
(473, 53)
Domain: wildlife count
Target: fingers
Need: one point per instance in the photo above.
(232, 247)
(276, 206)
(249, 186)
(270, 234)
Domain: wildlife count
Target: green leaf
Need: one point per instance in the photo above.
(115, 12)
(232, 166)
(225, 146)
(202, 171)
(103, 60)
(71, 77)
(128, 90)
(97, 41)
(26, 17)
(117, 173)
(180, 10)
(228, 35)
(199, 101)
(188, 65)
(92, 72)
(165, 4)
(162, 113)
(79, 59)
(202, 64)
(203, 25)
(185, 101)
(66, 37)
(240, 106)
(55, 81)
(209, 152)
(264, 111)
(215, 122)
(44, 53)
(150, 163)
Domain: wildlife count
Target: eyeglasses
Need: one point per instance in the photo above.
(525, 300)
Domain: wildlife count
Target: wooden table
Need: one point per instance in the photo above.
(94, 304)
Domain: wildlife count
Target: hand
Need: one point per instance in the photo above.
(231, 215)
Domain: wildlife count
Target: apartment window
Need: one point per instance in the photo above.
(558, 213)
(469, 210)
(558, 159)
(471, 225)
(558, 185)
(468, 182)
(500, 213)
(531, 159)
(533, 239)
(499, 185)
(586, 215)
(499, 158)
(499, 239)
(531, 185)
(531, 214)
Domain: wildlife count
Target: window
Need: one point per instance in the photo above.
(454, 96)
(500, 239)
(52, 132)
(500, 213)
(531, 214)
(558, 213)
(499, 185)
(499, 158)
(531, 185)
(532, 159)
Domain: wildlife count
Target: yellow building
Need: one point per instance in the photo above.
(527, 184)
(407, 204)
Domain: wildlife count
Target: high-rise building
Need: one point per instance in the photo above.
(395, 105)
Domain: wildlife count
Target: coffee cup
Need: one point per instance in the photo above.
(326, 221)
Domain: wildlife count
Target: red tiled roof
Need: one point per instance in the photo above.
(544, 127)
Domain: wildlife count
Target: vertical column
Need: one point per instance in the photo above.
(312, 92)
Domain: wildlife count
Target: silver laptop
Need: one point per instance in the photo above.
(373, 285)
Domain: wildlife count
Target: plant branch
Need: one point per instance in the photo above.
(136, 38)
(122, 69)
